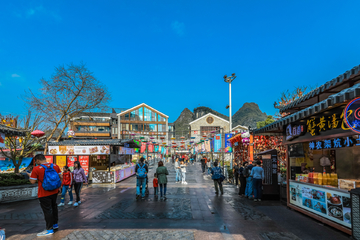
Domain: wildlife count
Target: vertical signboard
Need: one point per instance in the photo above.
(217, 143)
(70, 162)
(156, 148)
(143, 147)
(2, 140)
(207, 146)
(84, 162)
(228, 147)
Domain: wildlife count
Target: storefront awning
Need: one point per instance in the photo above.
(332, 101)
(96, 142)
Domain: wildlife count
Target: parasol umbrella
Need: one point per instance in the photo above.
(38, 133)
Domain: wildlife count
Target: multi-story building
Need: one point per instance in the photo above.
(95, 125)
(142, 120)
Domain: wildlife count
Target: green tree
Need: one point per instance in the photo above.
(268, 120)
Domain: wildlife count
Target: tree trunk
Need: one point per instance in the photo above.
(17, 165)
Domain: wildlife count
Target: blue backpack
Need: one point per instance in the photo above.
(51, 178)
(141, 171)
(216, 173)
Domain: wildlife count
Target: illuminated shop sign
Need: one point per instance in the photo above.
(352, 115)
(294, 131)
(334, 143)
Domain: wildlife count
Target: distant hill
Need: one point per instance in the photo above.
(201, 111)
(182, 123)
(248, 115)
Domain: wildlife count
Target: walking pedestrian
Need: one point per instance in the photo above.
(48, 176)
(177, 170)
(161, 173)
(79, 179)
(141, 170)
(242, 179)
(67, 181)
(216, 176)
(156, 185)
(192, 160)
(249, 182)
(258, 176)
(236, 173)
(183, 172)
(203, 164)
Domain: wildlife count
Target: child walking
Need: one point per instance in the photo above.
(156, 185)
(66, 186)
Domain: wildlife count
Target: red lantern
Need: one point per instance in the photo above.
(38, 133)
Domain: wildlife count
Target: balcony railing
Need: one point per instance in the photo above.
(92, 120)
(82, 131)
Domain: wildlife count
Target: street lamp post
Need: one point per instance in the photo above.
(229, 80)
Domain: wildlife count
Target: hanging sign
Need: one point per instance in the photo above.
(293, 131)
(334, 143)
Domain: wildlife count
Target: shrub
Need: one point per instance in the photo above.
(12, 179)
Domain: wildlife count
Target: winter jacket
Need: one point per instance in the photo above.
(79, 175)
(161, 173)
(67, 178)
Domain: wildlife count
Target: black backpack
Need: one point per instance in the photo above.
(247, 172)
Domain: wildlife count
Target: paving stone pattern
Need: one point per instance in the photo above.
(127, 235)
(248, 212)
(177, 208)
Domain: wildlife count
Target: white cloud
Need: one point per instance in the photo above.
(38, 11)
(178, 28)
(14, 75)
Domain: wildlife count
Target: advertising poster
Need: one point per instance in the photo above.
(217, 143)
(331, 204)
(49, 159)
(2, 140)
(84, 162)
(7, 165)
(61, 161)
(143, 147)
(228, 147)
(207, 146)
(70, 162)
(156, 148)
(203, 147)
(151, 148)
(79, 150)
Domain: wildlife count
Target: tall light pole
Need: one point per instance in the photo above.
(229, 80)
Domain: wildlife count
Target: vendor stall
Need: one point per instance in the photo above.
(104, 161)
(321, 134)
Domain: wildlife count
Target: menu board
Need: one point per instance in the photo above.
(79, 150)
(61, 161)
(84, 162)
(328, 203)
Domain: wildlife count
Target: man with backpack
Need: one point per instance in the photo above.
(141, 170)
(249, 182)
(48, 176)
(216, 176)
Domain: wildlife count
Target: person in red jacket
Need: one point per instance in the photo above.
(156, 185)
(66, 185)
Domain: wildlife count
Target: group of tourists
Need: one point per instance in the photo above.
(50, 179)
(251, 179)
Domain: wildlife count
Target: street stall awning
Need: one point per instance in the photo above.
(12, 131)
(95, 142)
(332, 101)
(335, 85)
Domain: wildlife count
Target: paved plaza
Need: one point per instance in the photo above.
(191, 211)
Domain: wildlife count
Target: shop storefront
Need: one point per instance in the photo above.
(321, 135)
(108, 163)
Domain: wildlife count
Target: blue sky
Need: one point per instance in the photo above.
(173, 54)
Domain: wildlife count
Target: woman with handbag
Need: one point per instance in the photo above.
(79, 178)
(218, 178)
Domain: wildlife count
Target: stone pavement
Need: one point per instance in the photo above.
(192, 211)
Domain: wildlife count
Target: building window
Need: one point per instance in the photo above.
(125, 126)
(208, 130)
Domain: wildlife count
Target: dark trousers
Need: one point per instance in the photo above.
(161, 189)
(77, 187)
(257, 185)
(50, 210)
(242, 185)
(236, 176)
(203, 168)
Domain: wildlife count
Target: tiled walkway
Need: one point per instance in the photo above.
(191, 211)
